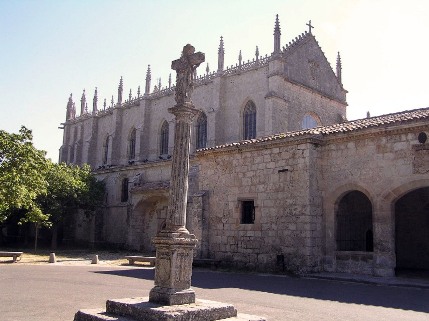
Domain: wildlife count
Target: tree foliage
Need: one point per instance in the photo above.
(22, 174)
(44, 190)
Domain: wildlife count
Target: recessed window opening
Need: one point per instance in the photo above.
(247, 212)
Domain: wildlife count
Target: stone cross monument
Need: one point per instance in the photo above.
(172, 297)
(174, 244)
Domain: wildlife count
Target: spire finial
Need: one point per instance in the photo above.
(148, 78)
(169, 81)
(220, 56)
(257, 54)
(69, 110)
(207, 69)
(339, 67)
(277, 34)
(138, 92)
(104, 105)
(309, 26)
(120, 90)
(112, 102)
(130, 96)
(95, 101)
(82, 103)
(240, 58)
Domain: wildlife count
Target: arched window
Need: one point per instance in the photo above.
(201, 131)
(309, 121)
(71, 149)
(164, 139)
(132, 145)
(124, 190)
(249, 121)
(354, 223)
(106, 150)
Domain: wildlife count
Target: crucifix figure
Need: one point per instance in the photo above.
(309, 26)
(185, 68)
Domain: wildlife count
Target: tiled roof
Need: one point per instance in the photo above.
(346, 127)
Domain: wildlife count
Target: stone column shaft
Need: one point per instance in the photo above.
(176, 221)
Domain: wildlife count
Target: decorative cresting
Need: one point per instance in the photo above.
(174, 244)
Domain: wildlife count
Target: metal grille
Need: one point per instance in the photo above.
(354, 223)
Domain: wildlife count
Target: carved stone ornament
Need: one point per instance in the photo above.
(185, 68)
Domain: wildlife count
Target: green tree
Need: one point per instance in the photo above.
(22, 174)
(69, 187)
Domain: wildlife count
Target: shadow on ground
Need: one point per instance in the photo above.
(345, 292)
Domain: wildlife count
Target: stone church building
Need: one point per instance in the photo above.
(279, 179)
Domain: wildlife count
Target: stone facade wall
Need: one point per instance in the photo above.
(380, 165)
(277, 180)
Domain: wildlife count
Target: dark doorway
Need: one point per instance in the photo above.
(412, 231)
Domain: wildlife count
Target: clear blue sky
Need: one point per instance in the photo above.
(50, 49)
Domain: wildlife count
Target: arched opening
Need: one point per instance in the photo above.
(106, 150)
(132, 145)
(163, 146)
(249, 121)
(124, 190)
(412, 231)
(148, 219)
(201, 131)
(354, 223)
(310, 121)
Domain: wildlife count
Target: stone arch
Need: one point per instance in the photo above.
(354, 222)
(408, 208)
(148, 217)
(331, 202)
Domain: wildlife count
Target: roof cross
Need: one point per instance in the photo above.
(309, 26)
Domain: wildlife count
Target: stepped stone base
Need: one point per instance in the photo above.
(140, 309)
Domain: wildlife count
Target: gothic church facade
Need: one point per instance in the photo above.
(279, 180)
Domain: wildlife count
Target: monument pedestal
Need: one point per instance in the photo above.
(140, 309)
(173, 271)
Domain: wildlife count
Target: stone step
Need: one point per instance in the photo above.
(142, 310)
(245, 317)
(98, 315)
(101, 315)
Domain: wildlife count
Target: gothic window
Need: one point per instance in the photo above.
(164, 139)
(71, 149)
(132, 145)
(201, 131)
(247, 212)
(249, 121)
(124, 190)
(309, 121)
(106, 150)
(354, 223)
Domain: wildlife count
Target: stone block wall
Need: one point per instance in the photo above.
(380, 165)
(277, 180)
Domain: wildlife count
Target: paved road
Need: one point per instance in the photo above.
(56, 292)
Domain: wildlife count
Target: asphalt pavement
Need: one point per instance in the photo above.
(57, 292)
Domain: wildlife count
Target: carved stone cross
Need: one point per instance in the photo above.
(309, 26)
(185, 67)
